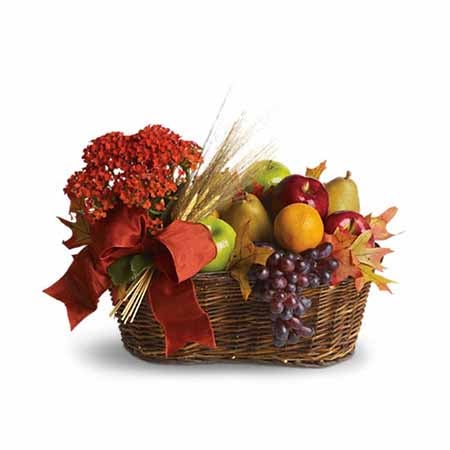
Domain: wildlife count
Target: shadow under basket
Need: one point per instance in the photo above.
(243, 329)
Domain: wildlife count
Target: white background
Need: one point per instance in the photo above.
(365, 85)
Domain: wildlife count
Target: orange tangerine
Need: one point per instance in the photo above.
(298, 227)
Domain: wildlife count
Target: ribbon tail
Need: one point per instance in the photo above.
(176, 308)
(79, 288)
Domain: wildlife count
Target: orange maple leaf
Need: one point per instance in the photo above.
(379, 223)
(341, 239)
(346, 268)
(317, 171)
(358, 258)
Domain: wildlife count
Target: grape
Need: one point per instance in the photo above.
(306, 302)
(303, 266)
(264, 244)
(324, 250)
(303, 281)
(279, 283)
(325, 277)
(252, 274)
(274, 316)
(286, 265)
(290, 302)
(291, 288)
(263, 274)
(293, 338)
(291, 256)
(333, 264)
(299, 310)
(281, 331)
(278, 343)
(274, 259)
(286, 314)
(314, 280)
(292, 278)
(295, 323)
(280, 296)
(311, 254)
(276, 307)
(306, 331)
(276, 273)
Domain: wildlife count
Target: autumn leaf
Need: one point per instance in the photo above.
(378, 224)
(243, 246)
(370, 275)
(341, 239)
(346, 268)
(358, 258)
(80, 231)
(365, 253)
(244, 255)
(360, 282)
(76, 206)
(261, 254)
(361, 241)
(316, 172)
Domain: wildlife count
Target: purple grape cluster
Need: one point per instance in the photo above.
(281, 283)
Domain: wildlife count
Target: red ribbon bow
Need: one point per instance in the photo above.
(178, 253)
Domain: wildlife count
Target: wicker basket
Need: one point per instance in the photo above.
(243, 329)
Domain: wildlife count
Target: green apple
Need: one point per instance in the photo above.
(224, 237)
(266, 173)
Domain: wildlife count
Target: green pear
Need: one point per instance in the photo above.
(342, 194)
(248, 207)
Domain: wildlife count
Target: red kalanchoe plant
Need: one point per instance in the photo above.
(142, 170)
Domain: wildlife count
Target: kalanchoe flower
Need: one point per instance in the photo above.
(142, 170)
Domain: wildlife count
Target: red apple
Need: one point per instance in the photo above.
(347, 220)
(300, 189)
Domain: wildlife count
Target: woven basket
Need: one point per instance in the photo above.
(243, 328)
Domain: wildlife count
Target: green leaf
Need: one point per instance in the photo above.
(120, 270)
(139, 263)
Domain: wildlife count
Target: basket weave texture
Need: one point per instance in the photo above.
(243, 328)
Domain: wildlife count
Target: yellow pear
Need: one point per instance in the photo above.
(248, 207)
(342, 194)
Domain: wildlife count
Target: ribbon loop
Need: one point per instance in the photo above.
(179, 252)
(182, 249)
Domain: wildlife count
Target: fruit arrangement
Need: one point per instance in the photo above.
(149, 215)
(317, 235)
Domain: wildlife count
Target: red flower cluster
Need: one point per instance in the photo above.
(144, 170)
